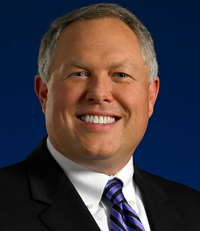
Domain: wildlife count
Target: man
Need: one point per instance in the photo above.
(97, 85)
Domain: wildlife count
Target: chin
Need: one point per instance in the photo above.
(99, 153)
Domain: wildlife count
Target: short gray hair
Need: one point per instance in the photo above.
(103, 10)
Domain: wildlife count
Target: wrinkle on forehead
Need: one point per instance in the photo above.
(83, 65)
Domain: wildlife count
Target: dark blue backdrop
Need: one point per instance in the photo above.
(170, 147)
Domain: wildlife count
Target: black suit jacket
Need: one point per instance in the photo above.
(36, 195)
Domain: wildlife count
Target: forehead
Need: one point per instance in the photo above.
(105, 41)
(97, 30)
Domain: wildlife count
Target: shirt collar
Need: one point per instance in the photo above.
(90, 184)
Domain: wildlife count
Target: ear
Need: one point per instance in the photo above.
(41, 91)
(153, 93)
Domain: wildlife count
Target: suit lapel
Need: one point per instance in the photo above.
(68, 212)
(160, 215)
(48, 184)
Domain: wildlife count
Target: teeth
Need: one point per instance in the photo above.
(87, 118)
(91, 119)
(98, 119)
(95, 120)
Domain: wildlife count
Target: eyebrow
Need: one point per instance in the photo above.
(76, 63)
(124, 63)
(80, 64)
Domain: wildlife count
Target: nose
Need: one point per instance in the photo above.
(99, 89)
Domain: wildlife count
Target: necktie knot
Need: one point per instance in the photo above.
(113, 191)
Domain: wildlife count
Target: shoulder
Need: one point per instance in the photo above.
(12, 173)
(13, 181)
(171, 201)
(175, 192)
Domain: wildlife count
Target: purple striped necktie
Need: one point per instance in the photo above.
(122, 216)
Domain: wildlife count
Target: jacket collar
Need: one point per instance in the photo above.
(50, 185)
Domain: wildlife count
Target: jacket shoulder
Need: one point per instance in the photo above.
(176, 193)
(18, 211)
(12, 175)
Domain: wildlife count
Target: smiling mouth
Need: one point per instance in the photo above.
(95, 119)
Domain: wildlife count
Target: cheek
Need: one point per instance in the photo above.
(65, 97)
(136, 102)
(134, 99)
(60, 108)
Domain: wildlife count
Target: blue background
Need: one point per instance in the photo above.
(170, 147)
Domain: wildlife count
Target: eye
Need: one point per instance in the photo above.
(78, 74)
(121, 75)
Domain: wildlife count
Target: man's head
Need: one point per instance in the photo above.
(97, 99)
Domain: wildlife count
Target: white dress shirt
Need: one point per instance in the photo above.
(90, 185)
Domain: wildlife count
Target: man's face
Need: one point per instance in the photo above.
(98, 71)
